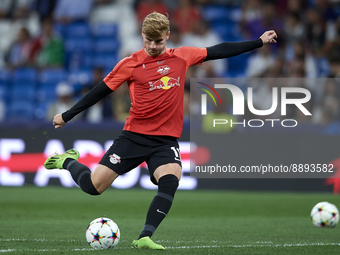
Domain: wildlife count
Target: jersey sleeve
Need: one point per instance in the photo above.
(119, 74)
(192, 55)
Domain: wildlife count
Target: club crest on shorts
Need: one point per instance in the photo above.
(114, 159)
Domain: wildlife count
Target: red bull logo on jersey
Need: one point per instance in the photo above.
(163, 70)
(164, 83)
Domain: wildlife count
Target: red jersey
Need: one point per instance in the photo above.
(156, 86)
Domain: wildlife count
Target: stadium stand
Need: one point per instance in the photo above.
(101, 37)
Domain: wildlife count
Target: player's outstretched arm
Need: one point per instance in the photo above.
(230, 49)
(58, 121)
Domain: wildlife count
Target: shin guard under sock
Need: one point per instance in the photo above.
(160, 206)
(81, 174)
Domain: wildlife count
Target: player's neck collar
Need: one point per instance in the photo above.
(165, 53)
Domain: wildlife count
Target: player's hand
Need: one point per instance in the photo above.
(58, 121)
(269, 37)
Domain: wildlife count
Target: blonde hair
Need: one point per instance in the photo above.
(155, 25)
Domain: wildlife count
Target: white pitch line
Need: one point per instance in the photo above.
(284, 245)
(195, 247)
(256, 245)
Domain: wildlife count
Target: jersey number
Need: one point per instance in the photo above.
(177, 153)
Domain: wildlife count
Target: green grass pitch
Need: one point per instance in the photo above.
(53, 220)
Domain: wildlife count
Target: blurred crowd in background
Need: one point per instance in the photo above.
(54, 51)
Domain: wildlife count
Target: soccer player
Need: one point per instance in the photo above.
(155, 76)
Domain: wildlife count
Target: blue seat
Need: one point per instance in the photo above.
(46, 92)
(78, 44)
(60, 29)
(105, 60)
(25, 75)
(4, 76)
(107, 70)
(87, 61)
(106, 45)
(222, 31)
(21, 110)
(77, 52)
(79, 60)
(78, 29)
(215, 13)
(80, 78)
(3, 93)
(22, 92)
(4, 85)
(52, 76)
(235, 32)
(41, 109)
(226, 30)
(237, 65)
(105, 30)
(27, 83)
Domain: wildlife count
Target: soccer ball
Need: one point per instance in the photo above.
(324, 214)
(102, 233)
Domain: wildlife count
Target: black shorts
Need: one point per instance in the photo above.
(131, 149)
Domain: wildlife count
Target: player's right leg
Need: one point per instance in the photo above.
(93, 184)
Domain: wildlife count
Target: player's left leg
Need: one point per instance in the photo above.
(167, 176)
